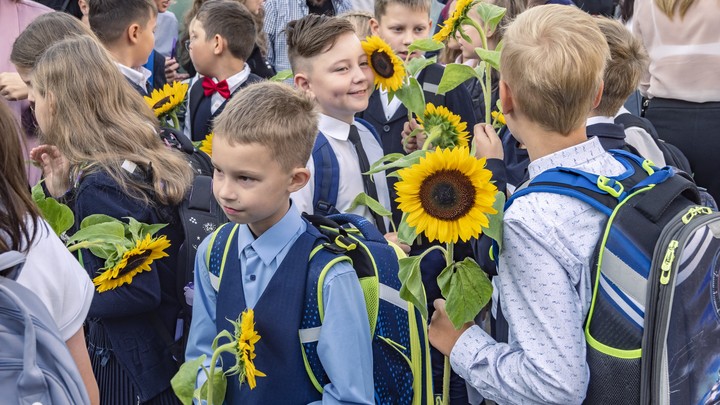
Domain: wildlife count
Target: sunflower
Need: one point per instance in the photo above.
(206, 144)
(439, 121)
(447, 195)
(133, 261)
(246, 337)
(498, 117)
(167, 99)
(451, 25)
(388, 68)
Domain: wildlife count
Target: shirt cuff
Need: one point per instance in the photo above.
(465, 352)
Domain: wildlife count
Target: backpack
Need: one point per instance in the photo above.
(35, 364)
(200, 215)
(653, 328)
(401, 358)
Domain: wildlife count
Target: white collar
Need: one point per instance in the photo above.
(138, 75)
(237, 79)
(600, 119)
(333, 127)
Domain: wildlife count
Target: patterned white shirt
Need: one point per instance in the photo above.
(543, 285)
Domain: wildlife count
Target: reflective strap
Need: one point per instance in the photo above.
(310, 335)
(392, 296)
(430, 87)
(628, 280)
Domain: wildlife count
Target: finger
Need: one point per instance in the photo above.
(439, 305)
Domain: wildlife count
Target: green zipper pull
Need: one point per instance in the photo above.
(695, 211)
(667, 262)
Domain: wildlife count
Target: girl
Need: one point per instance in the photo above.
(103, 156)
(50, 271)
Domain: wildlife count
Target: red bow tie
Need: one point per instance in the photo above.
(210, 87)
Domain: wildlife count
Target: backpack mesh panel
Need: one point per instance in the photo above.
(612, 380)
(612, 329)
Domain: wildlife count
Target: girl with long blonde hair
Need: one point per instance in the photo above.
(102, 155)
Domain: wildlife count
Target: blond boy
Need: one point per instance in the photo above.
(548, 241)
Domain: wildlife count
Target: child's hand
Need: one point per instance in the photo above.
(171, 68)
(487, 142)
(441, 332)
(392, 237)
(55, 167)
(412, 143)
(12, 87)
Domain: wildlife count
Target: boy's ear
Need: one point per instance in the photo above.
(374, 26)
(598, 96)
(301, 82)
(300, 177)
(506, 98)
(133, 33)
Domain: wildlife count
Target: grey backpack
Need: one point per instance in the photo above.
(35, 364)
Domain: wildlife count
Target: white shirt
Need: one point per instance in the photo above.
(351, 183)
(138, 76)
(389, 107)
(58, 279)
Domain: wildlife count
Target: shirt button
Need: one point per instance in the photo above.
(252, 277)
(386, 128)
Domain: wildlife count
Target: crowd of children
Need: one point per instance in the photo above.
(280, 150)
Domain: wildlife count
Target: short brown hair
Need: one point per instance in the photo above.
(41, 34)
(110, 18)
(274, 115)
(312, 35)
(628, 61)
(381, 6)
(567, 53)
(232, 21)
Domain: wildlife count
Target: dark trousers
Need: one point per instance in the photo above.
(695, 129)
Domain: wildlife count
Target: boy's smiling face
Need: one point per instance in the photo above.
(400, 26)
(339, 79)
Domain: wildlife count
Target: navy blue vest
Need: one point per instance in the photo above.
(278, 315)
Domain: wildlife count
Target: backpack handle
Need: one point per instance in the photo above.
(368, 230)
(674, 186)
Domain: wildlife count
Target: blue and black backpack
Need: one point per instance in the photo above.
(401, 360)
(653, 328)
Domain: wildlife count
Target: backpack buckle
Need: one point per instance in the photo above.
(610, 186)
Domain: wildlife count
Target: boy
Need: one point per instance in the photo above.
(543, 281)
(330, 65)
(126, 29)
(261, 144)
(222, 36)
(399, 23)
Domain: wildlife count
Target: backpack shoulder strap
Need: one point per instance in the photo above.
(217, 252)
(327, 176)
(370, 128)
(431, 81)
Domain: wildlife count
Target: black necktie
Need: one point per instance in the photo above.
(368, 185)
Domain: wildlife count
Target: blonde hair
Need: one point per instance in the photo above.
(274, 115)
(669, 7)
(100, 121)
(553, 61)
(381, 6)
(360, 20)
(628, 61)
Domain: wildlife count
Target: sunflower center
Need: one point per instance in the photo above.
(382, 64)
(447, 195)
(162, 102)
(134, 262)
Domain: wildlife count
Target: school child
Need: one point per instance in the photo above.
(50, 271)
(261, 144)
(126, 29)
(103, 156)
(330, 65)
(543, 280)
(222, 36)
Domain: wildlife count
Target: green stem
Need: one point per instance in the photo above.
(487, 88)
(82, 245)
(224, 348)
(446, 381)
(434, 134)
(176, 123)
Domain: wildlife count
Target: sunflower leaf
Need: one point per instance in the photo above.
(183, 382)
(219, 382)
(282, 75)
(401, 162)
(412, 289)
(37, 192)
(425, 45)
(389, 158)
(96, 219)
(495, 226)
(491, 57)
(415, 65)
(104, 250)
(466, 288)
(406, 233)
(224, 334)
(371, 203)
(59, 216)
(454, 75)
(113, 232)
(412, 97)
(490, 14)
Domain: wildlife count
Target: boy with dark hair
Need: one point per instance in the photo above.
(222, 36)
(330, 65)
(261, 144)
(126, 29)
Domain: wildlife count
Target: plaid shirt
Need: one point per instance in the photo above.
(280, 12)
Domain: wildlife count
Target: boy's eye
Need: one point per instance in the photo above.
(420, 29)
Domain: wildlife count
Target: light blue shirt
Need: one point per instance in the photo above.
(280, 12)
(543, 285)
(344, 345)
